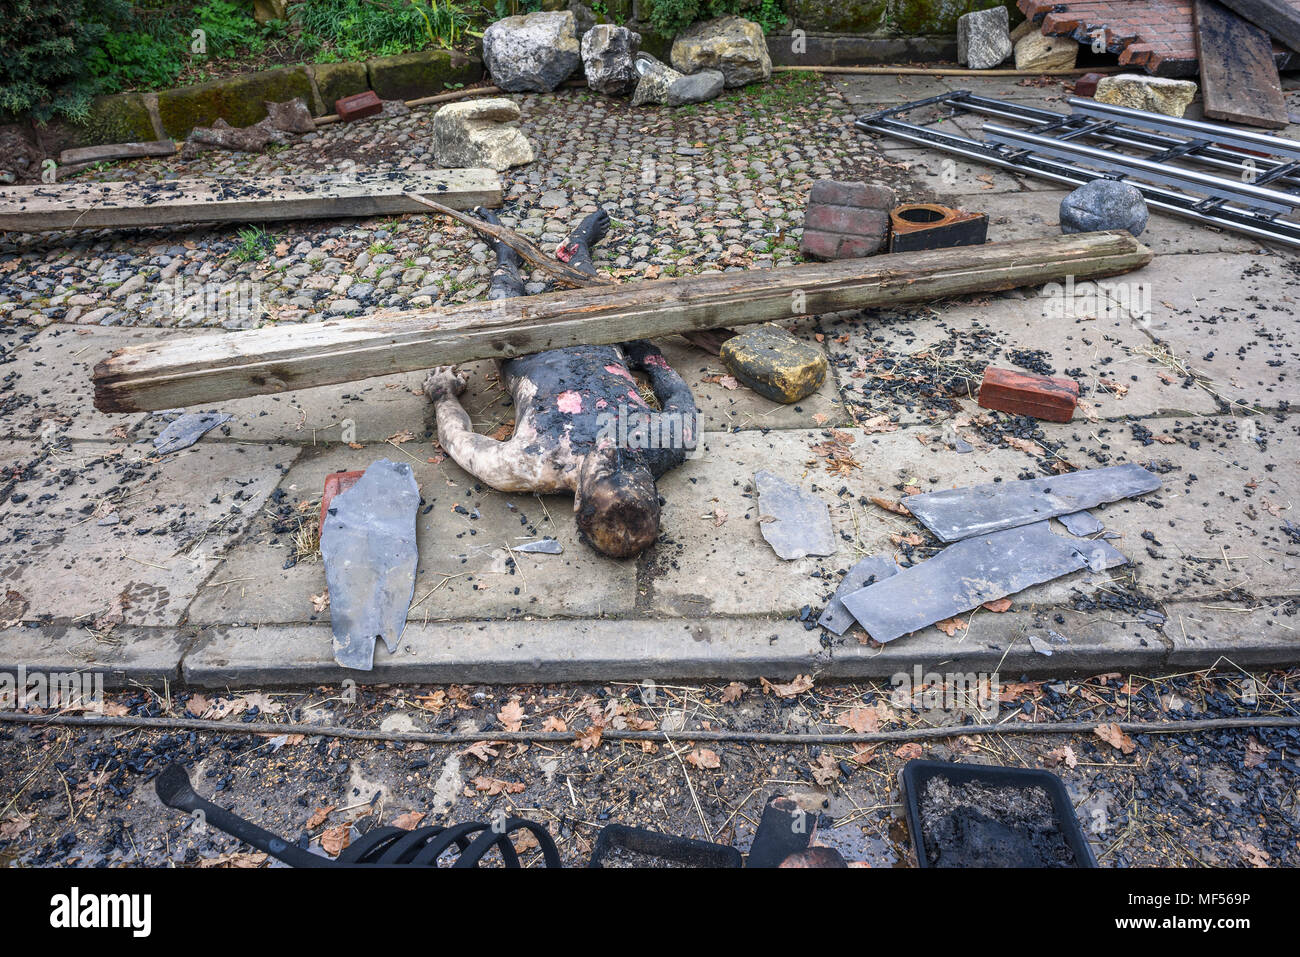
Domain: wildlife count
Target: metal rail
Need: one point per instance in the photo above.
(1052, 147)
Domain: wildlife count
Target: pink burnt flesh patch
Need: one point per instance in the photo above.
(621, 372)
(570, 402)
(659, 362)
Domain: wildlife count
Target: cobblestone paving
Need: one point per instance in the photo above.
(714, 186)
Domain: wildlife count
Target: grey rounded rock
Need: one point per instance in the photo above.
(1104, 204)
(608, 52)
(533, 53)
(696, 88)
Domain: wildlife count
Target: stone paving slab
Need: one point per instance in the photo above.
(53, 385)
(1213, 634)
(966, 335)
(1228, 487)
(146, 567)
(463, 531)
(1038, 213)
(701, 568)
(1233, 317)
(512, 651)
(149, 656)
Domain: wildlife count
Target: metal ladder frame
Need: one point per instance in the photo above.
(1254, 201)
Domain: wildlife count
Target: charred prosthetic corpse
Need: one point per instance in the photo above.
(581, 425)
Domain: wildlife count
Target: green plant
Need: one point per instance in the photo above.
(356, 29)
(126, 60)
(673, 16)
(230, 28)
(512, 8)
(253, 244)
(43, 51)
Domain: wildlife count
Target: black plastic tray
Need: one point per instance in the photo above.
(916, 774)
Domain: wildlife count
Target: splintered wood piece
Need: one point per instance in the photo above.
(116, 151)
(1239, 78)
(561, 271)
(228, 365)
(88, 205)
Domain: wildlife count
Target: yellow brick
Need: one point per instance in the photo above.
(774, 363)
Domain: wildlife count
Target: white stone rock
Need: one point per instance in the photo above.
(608, 58)
(1155, 94)
(533, 53)
(475, 133)
(1036, 52)
(733, 46)
(984, 38)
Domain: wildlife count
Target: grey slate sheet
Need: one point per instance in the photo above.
(958, 513)
(967, 574)
(838, 619)
(368, 544)
(801, 523)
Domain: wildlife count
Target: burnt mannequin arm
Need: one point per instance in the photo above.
(673, 393)
(494, 462)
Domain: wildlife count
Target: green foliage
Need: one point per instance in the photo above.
(673, 16)
(230, 28)
(43, 50)
(253, 244)
(513, 8)
(126, 60)
(357, 29)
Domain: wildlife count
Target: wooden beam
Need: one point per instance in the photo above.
(1279, 18)
(90, 205)
(116, 151)
(1239, 80)
(230, 365)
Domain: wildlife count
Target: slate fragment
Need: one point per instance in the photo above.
(1081, 524)
(544, 546)
(958, 513)
(836, 618)
(965, 575)
(183, 432)
(801, 522)
(368, 544)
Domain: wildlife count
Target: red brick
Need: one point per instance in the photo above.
(837, 193)
(336, 483)
(820, 245)
(1157, 35)
(846, 219)
(1020, 393)
(358, 106)
(1086, 85)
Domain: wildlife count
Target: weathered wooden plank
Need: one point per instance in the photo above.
(1239, 79)
(116, 151)
(82, 205)
(1280, 18)
(222, 366)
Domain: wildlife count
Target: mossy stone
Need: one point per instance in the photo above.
(408, 76)
(837, 16)
(237, 100)
(337, 80)
(120, 118)
(936, 17)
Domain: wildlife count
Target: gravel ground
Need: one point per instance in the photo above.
(1221, 798)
